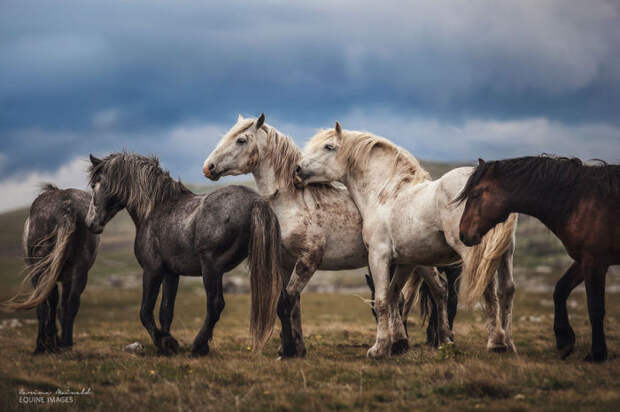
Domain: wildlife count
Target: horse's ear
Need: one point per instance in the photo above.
(338, 128)
(480, 161)
(95, 161)
(239, 117)
(260, 121)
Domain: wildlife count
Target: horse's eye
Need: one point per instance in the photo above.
(242, 140)
(330, 147)
(475, 195)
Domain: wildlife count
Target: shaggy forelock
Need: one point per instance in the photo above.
(238, 128)
(138, 181)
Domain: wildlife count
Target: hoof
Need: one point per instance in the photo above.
(596, 357)
(399, 347)
(565, 341)
(49, 344)
(377, 352)
(198, 352)
(168, 346)
(510, 347)
(565, 351)
(290, 351)
(497, 348)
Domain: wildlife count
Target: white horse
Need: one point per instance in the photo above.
(410, 220)
(321, 226)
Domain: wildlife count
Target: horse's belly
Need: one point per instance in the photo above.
(428, 248)
(183, 265)
(344, 250)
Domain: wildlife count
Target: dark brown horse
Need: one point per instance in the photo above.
(580, 204)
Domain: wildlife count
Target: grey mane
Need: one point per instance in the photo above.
(138, 181)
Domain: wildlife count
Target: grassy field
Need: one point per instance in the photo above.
(335, 374)
(338, 327)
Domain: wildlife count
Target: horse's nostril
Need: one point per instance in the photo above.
(298, 169)
(211, 166)
(462, 237)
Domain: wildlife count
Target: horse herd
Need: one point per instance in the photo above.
(384, 213)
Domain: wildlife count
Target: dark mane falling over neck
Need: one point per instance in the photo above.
(554, 182)
(138, 181)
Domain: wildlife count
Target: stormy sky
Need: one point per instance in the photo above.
(446, 80)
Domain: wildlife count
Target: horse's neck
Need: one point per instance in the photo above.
(265, 178)
(366, 185)
(530, 205)
(265, 175)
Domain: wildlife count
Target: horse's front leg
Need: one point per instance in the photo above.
(151, 282)
(595, 289)
(307, 263)
(564, 334)
(289, 312)
(212, 280)
(379, 263)
(169, 344)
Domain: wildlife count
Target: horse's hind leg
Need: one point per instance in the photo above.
(47, 339)
(595, 289)
(398, 333)
(496, 335)
(215, 305)
(169, 344)
(564, 335)
(506, 297)
(71, 291)
(151, 282)
(453, 274)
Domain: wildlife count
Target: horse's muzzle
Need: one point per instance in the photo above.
(97, 229)
(210, 172)
(472, 240)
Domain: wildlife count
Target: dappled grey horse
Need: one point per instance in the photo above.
(58, 248)
(181, 233)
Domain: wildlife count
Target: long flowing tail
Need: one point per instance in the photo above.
(45, 270)
(481, 261)
(265, 276)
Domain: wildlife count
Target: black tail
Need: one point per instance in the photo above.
(265, 276)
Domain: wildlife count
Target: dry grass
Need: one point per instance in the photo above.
(335, 375)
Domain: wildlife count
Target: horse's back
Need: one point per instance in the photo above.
(200, 228)
(54, 208)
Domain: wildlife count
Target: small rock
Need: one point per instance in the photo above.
(519, 396)
(136, 348)
(10, 323)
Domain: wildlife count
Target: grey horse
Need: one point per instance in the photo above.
(181, 233)
(58, 248)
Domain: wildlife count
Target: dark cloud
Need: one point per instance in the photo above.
(78, 77)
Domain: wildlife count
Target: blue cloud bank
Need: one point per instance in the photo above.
(447, 80)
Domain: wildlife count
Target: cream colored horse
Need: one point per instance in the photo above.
(321, 226)
(410, 220)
